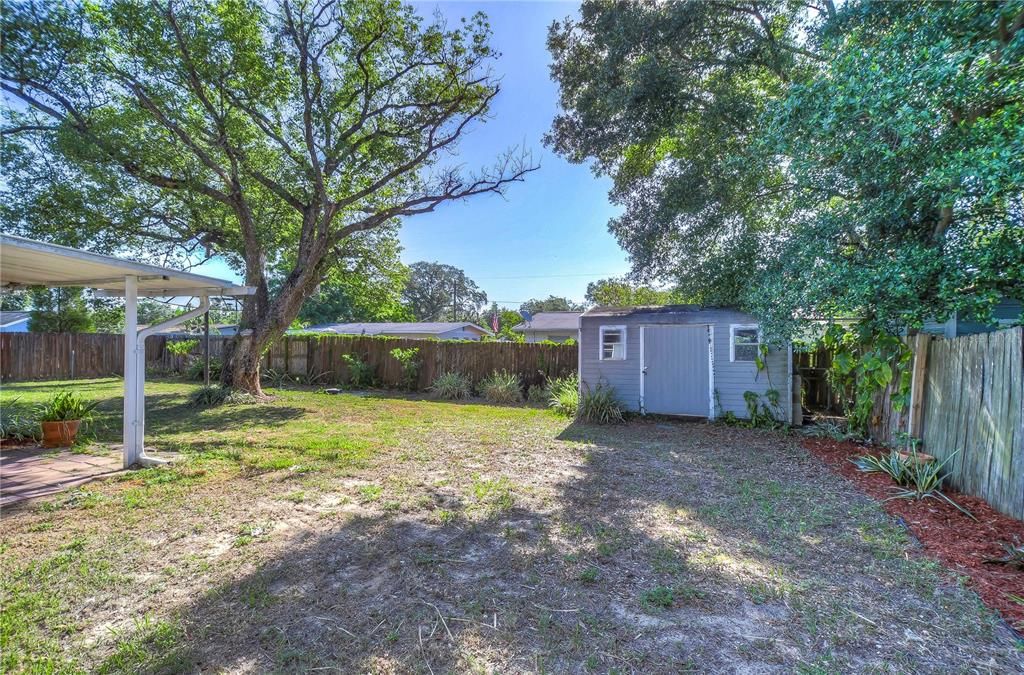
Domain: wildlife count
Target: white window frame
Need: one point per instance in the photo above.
(600, 342)
(733, 327)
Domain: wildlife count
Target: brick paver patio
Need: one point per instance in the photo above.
(35, 472)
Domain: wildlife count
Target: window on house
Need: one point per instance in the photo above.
(613, 343)
(745, 343)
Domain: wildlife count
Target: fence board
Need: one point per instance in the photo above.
(37, 356)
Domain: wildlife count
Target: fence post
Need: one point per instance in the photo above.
(915, 422)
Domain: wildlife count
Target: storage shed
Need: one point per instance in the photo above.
(683, 360)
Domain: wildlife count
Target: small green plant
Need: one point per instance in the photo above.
(892, 463)
(311, 378)
(66, 406)
(360, 373)
(181, 347)
(659, 596)
(1014, 554)
(924, 481)
(410, 362)
(565, 395)
(370, 493)
(205, 397)
(599, 406)
(501, 387)
(828, 429)
(538, 394)
(589, 575)
(763, 415)
(14, 426)
(274, 378)
(195, 369)
(495, 493)
(451, 386)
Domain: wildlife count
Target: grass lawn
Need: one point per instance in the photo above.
(382, 534)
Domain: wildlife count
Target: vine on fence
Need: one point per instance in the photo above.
(866, 362)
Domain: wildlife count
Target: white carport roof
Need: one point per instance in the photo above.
(25, 263)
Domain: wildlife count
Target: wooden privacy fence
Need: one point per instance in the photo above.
(34, 356)
(967, 402)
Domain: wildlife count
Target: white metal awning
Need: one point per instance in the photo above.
(25, 263)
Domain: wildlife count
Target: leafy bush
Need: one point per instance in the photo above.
(452, 386)
(208, 396)
(65, 406)
(501, 387)
(181, 347)
(763, 415)
(360, 373)
(828, 429)
(538, 394)
(195, 369)
(893, 464)
(599, 406)
(565, 394)
(409, 359)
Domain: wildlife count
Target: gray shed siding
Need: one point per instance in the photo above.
(730, 379)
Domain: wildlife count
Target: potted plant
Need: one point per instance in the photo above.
(62, 416)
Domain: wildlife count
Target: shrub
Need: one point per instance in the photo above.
(208, 396)
(66, 406)
(828, 429)
(451, 386)
(410, 362)
(538, 394)
(599, 406)
(360, 373)
(565, 394)
(181, 347)
(195, 369)
(501, 387)
(275, 378)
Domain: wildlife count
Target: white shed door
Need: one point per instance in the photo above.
(675, 370)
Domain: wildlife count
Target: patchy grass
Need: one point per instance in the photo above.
(378, 533)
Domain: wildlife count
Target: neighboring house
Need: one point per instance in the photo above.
(553, 326)
(14, 322)
(681, 360)
(439, 330)
(1007, 312)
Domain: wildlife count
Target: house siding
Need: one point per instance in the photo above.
(731, 379)
(554, 336)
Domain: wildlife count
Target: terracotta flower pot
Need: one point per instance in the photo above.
(922, 457)
(60, 434)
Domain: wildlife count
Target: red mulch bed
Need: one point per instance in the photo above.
(946, 534)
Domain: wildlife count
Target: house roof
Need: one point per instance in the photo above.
(11, 318)
(546, 321)
(26, 262)
(429, 328)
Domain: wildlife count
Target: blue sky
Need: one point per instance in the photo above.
(549, 235)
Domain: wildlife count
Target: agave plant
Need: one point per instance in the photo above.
(600, 406)
(893, 464)
(502, 387)
(565, 395)
(451, 386)
(924, 481)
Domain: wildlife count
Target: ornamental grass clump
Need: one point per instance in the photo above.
(565, 395)
(501, 387)
(452, 386)
(599, 406)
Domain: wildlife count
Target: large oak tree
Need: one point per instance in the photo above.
(270, 134)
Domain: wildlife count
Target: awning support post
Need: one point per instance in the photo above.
(131, 449)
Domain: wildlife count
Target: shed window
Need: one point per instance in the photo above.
(745, 343)
(613, 343)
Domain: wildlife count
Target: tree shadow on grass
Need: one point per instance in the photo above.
(647, 547)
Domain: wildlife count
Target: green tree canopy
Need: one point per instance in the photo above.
(267, 133)
(438, 292)
(803, 161)
(621, 293)
(59, 310)
(552, 303)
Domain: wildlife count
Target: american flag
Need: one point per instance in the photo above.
(494, 321)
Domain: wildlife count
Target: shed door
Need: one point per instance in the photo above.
(675, 370)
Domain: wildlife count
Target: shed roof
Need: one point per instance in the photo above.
(396, 328)
(651, 310)
(26, 262)
(550, 321)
